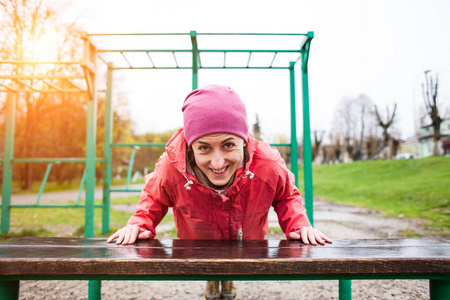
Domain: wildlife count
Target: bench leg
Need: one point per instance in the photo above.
(95, 290)
(345, 289)
(439, 289)
(9, 289)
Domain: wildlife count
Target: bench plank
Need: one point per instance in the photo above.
(419, 258)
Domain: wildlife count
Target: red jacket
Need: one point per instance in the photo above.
(201, 213)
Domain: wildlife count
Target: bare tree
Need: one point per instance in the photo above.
(337, 147)
(318, 138)
(351, 122)
(257, 129)
(384, 123)
(430, 93)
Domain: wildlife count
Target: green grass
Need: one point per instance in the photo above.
(415, 188)
(418, 188)
(55, 187)
(67, 221)
(24, 232)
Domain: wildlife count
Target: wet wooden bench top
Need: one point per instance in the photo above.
(151, 258)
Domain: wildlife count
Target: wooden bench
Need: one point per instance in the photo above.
(95, 260)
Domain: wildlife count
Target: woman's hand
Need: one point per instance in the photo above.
(310, 235)
(129, 234)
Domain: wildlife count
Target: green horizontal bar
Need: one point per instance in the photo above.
(50, 206)
(151, 68)
(247, 68)
(263, 34)
(141, 50)
(126, 34)
(199, 50)
(189, 68)
(138, 144)
(55, 160)
(280, 145)
(205, 277)
(125, 191)
(250, 50)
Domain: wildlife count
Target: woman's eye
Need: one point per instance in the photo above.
(203, 148)
(228, 145)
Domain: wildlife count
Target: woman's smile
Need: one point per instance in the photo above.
(218, 156)
(219, 171)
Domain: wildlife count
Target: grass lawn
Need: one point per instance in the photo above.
(67, 222)
(416, 188)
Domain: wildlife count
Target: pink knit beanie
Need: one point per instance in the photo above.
(214, 109)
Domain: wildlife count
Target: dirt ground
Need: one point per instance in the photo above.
(335, 220)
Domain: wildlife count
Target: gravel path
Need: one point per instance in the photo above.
(261, 290)
(337, 221)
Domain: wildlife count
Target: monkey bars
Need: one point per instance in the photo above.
(198, 51)
(195, 55)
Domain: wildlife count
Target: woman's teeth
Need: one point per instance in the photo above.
(219, 171)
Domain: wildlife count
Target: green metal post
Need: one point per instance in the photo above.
(9, 289)
(82, 185)
(294, 144)
(90, 163)
(345, 289)
(307, 151)
(44, 181)
(95, 290)
(194, 60)
(439, 289)
(130, 165)
(107, 152)
(8, 154)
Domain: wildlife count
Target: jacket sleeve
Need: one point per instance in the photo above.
(154, 200)
(288, 201)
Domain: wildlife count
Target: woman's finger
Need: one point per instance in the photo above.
(318, 237)
(121, 234)
(304, 235)
(311, 236)
(145, 234)
(327, 239)
(134, 233)
(112, 237)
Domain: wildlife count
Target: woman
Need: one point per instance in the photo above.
(220, 181)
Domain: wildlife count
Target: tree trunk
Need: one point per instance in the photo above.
(437, 138)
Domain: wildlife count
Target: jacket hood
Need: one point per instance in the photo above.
(176, 150)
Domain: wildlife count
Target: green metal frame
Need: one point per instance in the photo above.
(89, 66)
(15, 84)
(303, 52)
(8, 154)
(91, 53)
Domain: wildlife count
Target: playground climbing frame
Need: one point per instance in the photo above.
(15, 84)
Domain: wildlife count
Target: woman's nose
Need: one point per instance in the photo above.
(217, 161)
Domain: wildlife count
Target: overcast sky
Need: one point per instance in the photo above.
(378, 48)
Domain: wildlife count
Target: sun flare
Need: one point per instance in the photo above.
(43, 49)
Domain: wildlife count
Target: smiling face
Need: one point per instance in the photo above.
(219, 155)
